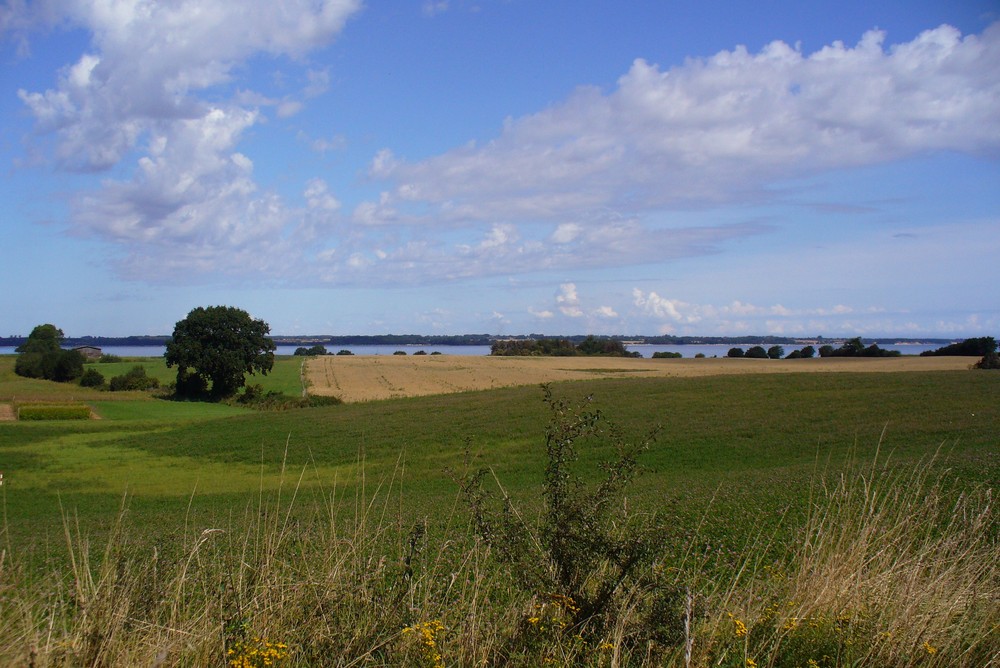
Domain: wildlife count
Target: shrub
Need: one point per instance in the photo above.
(344, 352)
(991, 361)
(134, 379)
(667, 355)
(735, 352)
(53, 412)
(92, 378)
(108, 359)
(757, 352)
(775, 352)
(400, 352)
(583, 553)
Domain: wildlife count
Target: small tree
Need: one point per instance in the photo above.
(735, 352)
(757, 352)
(775, 352)
(219, 345)
(808, 351)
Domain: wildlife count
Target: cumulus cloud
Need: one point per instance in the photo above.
(569, 301)
(721, 129)
(582, 184)
(192, 200)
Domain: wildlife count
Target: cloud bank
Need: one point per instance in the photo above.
(158, 106)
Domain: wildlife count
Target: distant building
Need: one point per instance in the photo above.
(89, 352)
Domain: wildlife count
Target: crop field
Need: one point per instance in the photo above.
(331, 530)
(366, 378)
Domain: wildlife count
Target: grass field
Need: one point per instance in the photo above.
(740, 458)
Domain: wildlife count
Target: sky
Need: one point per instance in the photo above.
(505, 167)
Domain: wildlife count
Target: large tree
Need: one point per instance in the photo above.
(215, 347)
(42, 357)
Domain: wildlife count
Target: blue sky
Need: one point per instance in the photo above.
(502, 167)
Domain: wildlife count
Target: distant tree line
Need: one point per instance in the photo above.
(555, 347)
(978, 347)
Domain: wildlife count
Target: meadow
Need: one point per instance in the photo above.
(826, 519)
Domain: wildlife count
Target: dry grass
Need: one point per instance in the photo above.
(370, 377)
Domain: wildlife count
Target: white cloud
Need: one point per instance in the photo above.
(192, 201)
(568, 301)
(722, 128)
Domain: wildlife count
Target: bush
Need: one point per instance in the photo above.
(54, 412)
(312, 351)
(344, 352)
(61, 366)
(667, 355)
(400, 352)
(92, 378)
(135, 379)
(757, 352)
(583, 552)
(775, 352)
(735, 352)
(109, 359)
(991, 361)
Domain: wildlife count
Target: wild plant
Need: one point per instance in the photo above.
(584, 555)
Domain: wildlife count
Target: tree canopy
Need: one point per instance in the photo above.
(42, 357)
(215, 347)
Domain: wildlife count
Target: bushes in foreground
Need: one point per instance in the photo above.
(889, 569)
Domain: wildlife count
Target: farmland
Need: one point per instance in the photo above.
(745, 451)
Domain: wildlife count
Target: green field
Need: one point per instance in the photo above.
(736, 458)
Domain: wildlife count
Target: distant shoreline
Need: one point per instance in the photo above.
(487, 339)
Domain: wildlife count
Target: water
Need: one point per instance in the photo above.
(646, 350)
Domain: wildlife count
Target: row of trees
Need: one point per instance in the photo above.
(212, 348)
(553, 347)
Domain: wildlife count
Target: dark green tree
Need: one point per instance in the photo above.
(808, 351)
(219, 345)
(42, 357)
(735, 352)
(776, 352)
(757, 352)
(43, 339)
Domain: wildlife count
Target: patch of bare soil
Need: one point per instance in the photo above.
(369, 377)
(6, 413)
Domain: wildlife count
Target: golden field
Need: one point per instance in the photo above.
(356, 378)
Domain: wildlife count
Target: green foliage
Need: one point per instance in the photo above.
(584, 552)
(400, 352)
(219, 344)
(311, 351)
(420, 352)
(344, 352)
(667, 355)
(60, 365)
(989, 361)
(826, 350)
(775, 352)
(551, 347)
(978, 347)
(735, 352)
(135, 379)
(109, 359)
(41, 357)
(92, 378)
(53, 412)
(808, 351)
(757, 352)
(43, 339)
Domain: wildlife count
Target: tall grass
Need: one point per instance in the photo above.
(892, 568)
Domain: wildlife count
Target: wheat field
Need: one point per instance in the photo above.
(356, 378)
